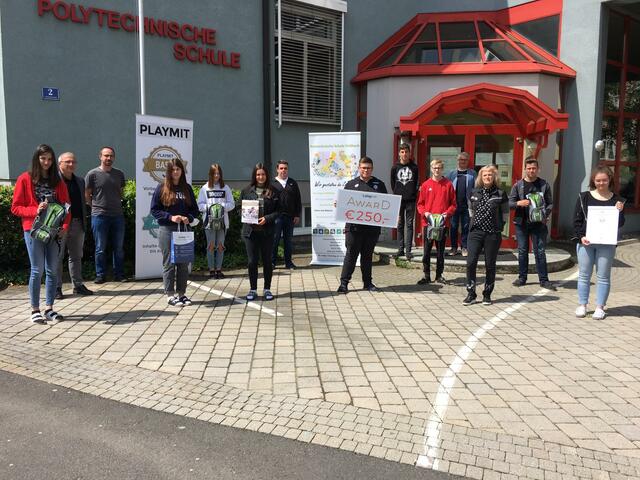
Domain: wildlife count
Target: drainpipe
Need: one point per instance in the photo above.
(266, 82)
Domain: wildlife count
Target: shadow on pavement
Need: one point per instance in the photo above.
(122, 318)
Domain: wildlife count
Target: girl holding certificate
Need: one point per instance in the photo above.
(259, 212)
(598, 252)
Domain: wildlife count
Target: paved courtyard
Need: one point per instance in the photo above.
(519, 389)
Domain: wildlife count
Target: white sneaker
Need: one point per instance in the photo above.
(599, 314)
(581, 311)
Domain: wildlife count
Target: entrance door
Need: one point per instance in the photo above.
(485, 145)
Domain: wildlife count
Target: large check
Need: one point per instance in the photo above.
(602, 225)
(368, 208)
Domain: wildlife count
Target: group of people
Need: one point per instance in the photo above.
(473, 208)
(465, 205)
(47, 184)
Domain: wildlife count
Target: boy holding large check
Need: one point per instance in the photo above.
(361, 239)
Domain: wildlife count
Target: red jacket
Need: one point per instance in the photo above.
(25, 204)
(436, 197)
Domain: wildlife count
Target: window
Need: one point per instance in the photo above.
(543, 31)
(308, 49)
(621, 117)
(304, 226)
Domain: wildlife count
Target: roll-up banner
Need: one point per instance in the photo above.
(158, 140)
(333, 161)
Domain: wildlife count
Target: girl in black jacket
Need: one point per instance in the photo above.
(258, 238)
(488, 211)
(589, 253)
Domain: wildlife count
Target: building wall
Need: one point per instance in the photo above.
(4, 153)
(96, 70)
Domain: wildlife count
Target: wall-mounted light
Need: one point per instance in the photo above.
(599, 146)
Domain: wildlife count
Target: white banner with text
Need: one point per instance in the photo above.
(158, 140)
(333, 161)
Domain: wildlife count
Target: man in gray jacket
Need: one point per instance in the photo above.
(73, 240)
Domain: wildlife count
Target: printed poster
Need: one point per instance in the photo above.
(333, 161)
(158, 140)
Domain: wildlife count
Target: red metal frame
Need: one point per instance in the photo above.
(621, 115)
(499, 20)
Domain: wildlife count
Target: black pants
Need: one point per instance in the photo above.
(426, 256)
(405, 222)
(490, 242)
(259, 244)
(358, 243)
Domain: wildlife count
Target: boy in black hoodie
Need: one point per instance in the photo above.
(404, 182)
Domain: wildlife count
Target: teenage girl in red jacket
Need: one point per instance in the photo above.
(32, 192)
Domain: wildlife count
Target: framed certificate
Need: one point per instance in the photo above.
(602, 225)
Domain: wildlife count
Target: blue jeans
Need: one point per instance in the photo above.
(602, 257)
(108, 230)
(460, 219)
(214, 256)
(284, 228)
(538, 234)
(44, 259)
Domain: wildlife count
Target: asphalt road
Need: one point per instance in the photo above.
(52, 433)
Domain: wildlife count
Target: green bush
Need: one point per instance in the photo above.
(14, 261)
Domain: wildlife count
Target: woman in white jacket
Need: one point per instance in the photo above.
(216, 222)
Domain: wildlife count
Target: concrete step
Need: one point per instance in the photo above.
(558, 259)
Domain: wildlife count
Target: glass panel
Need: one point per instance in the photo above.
(612, 88)
(629, 147)
(421, 53)
(466, 118)
(615, 37)
(543, 31)
(408, 36)
(460, 52)
(632, 92)
(536, 56)
(428, 34)
(501, 51)
(446, 148)
(633, 58)
(486, 31)
(388, 57)
(610, 138)
(457, 31)
(628, 176)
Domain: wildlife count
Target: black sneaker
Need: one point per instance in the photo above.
(409, 256)
(213, 274)
(291, 266)
(519, 282)
(174, 301)
(121, 279)
(343, 288)
(470, 299)
(82, 290)
(486, 300)
(400, 253)
(219, 274)
(372, 288)
(185, 300)
(99, 280)
(59, 295)
(424, 281)
(548, 285)
(441, 280)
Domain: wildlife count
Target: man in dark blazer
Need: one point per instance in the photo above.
(290, 212)
(73, 240)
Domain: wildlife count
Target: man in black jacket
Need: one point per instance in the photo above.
(290, 211)
(73, 239)
(404, 182)
(361, 239)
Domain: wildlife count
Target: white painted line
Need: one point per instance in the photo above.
(429, 459)
(242, 301)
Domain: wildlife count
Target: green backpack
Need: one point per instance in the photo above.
(536, 207)
(48, 222)
(215, 217)
(435, 227)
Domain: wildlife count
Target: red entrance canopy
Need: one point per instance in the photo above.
(533, 117)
